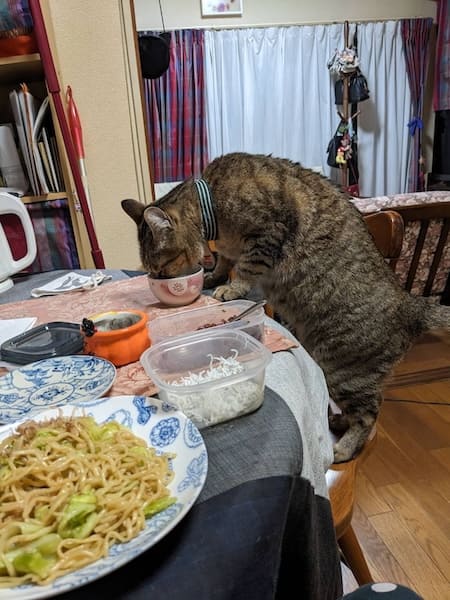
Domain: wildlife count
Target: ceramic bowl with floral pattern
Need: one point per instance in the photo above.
(177, 291)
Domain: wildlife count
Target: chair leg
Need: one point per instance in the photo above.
(354, 556)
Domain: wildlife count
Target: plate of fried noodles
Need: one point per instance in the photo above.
(85, 488)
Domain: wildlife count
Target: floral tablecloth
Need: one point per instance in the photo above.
(132, 293)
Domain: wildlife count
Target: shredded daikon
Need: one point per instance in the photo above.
(224, 368)
(211, 406)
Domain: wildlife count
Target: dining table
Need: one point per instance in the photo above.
(261, 527)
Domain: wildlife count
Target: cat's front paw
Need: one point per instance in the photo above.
(237, 288)
(226, 293)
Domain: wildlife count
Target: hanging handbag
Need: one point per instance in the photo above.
(335, 145)
(332, 150)
(358, 90)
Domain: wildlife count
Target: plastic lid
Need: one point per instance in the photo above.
(44, 341)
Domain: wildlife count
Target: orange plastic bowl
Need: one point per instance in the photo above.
(120, 336)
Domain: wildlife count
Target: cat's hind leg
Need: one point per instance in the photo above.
(338, 422)
(358, 425)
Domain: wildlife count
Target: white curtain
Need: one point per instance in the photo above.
(268, 90)
(383, 138)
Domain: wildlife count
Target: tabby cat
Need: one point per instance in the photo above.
(297, 236)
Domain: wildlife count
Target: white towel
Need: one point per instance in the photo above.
(69, 283)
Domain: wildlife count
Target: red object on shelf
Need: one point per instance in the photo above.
(18, 45)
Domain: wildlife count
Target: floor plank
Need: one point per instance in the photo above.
(402, 513)
(369, 500)
(425, 532)
(425, 577)
(382, 563)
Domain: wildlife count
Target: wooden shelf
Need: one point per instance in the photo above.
(44, 197)
(25, 67)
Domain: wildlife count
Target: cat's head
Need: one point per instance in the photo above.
(170, 241)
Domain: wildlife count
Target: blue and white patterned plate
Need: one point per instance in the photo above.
(162, 427)
(53, 382)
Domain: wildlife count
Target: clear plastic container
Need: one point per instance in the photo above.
(183, 368)
(208, 317)
(44, 341)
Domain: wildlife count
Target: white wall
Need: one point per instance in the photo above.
(180, 14)
(93, 50)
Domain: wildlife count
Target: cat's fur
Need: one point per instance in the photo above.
(297, 236)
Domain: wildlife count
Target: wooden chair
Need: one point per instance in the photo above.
(430, 224)
(386, 229)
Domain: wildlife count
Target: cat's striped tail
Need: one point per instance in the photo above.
(437, 316)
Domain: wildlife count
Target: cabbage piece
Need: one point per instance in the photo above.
(79, 517)
(36, 557)
(33, 562)
(43, 435)
(152, 508)
(100, 432)
(5, 471)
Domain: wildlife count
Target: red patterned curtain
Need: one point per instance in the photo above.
(416, 37)
(441, 99)
(175, 111)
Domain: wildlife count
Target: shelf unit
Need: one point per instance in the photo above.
(18, 68)
(44, 197)
(28, 68)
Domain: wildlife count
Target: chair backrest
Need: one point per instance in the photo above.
(387, 228)
(426, 256)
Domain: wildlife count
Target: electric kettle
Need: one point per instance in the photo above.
(12, 206)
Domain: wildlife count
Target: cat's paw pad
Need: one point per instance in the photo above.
(338, 422)
(226, 293)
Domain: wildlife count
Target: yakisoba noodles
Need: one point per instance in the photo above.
(69, 489)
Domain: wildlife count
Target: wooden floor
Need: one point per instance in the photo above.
(402, 517)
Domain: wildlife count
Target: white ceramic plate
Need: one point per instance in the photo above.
(53, 382)
(162, 427)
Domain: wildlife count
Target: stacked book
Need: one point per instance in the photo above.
(29, 159)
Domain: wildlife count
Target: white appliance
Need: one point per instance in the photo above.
(10, 205)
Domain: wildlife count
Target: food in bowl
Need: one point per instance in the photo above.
(177, 291)
(116, 335)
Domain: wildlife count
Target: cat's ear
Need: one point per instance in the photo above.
(157, 219)
(134, 209)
